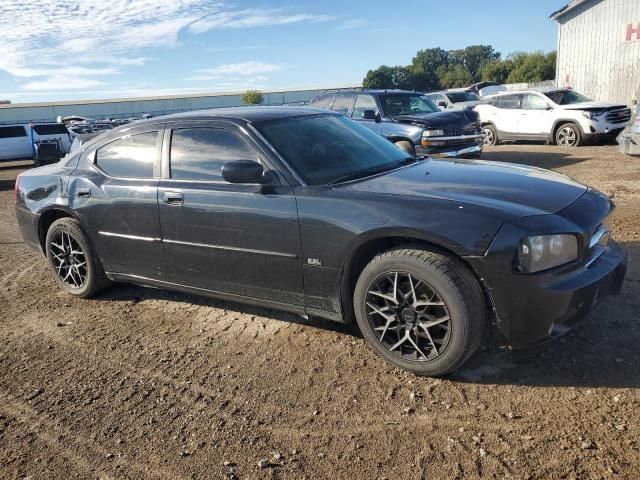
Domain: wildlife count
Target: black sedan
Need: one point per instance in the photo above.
(306, 211)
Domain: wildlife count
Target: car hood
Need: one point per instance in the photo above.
(592, 106)
(514, 190)
(448, 119)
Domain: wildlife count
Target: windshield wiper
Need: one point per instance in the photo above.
(374, 170)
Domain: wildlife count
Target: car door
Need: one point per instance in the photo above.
(535, 116)
(114, 191)
(239, 239)
(15, 143)
(367, 102)
(506, 115)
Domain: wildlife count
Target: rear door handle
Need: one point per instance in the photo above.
(173, 198)
(84, 192)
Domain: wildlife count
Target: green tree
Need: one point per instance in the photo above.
(252, 97)
(496, 71)
(454, 76)
(532, 67)
(424, 68)
(389, 77)
(475, 57)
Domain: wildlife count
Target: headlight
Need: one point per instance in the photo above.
(592, 115)
(542, 252)
(433, 133)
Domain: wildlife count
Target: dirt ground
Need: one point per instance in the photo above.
(142, 383)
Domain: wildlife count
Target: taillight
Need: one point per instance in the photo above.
(15, 189)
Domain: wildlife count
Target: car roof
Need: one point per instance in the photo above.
(371, 90)
(247, 114)
(531, 90)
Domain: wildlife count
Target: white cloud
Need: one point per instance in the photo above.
(77, 42)
(244, 69)
(62, 83)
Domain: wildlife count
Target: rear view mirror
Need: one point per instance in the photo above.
(243, 171)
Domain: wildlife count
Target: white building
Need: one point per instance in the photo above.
(599, 48)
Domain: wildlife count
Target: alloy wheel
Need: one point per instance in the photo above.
(567, 137)
(487, 136)
(68, 259)
(408, 316)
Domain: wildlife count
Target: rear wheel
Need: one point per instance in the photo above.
(72, 260)
(568, 135)
(489, 135)
(406, 146)
(420, 310)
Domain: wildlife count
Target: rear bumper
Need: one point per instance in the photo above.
(28, 224)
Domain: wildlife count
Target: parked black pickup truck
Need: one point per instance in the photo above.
(409, 120)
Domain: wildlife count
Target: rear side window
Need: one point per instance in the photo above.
(342, 104)
(50, 129)
(130, 157)
(322, 101)
(12, 132)
(508, 102)
(199, 153)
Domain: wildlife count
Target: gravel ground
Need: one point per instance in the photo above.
(142, 383)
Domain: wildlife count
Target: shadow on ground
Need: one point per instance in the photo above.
(549, 159)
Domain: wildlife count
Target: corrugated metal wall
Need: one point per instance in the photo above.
(594, 55)
(126, 108)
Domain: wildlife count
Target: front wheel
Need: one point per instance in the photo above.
(406, 146)
(72, 260)
(568, 135)
(420, 310)
(489, 135)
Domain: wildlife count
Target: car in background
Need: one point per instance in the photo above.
(484, 89)
(412, 122)
(305, 211)
(40, 142)
(454, 99)
(553, 115)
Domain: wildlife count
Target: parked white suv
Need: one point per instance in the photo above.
(38, 141)
(553, 115)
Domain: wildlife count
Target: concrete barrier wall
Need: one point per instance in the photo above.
(135, 107)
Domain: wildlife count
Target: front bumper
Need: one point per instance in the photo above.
(465, 146)
(533, 308)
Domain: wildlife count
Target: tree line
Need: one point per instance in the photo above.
(435, 68)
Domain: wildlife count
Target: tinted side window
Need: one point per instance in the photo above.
(50, 129)
(364, 102)
(12, 132)
(342, 104)
(199, 153)
(132, 156)
(321, 102)
(509, 102)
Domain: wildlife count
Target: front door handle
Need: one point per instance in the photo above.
(84, 192)
(173, 198)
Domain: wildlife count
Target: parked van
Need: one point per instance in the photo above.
(39, 142)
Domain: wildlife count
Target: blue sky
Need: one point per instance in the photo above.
(79, 49)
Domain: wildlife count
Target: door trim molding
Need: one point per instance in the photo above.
(130, 237)
(233, 249)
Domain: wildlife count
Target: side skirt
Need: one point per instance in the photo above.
(285, 307)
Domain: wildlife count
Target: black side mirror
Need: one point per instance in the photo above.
(442, 104)
(369, 114)
(243, 171)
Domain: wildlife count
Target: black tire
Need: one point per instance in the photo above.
(458, 290)
(568, 135)
(406, 146)
(489, 135)
(90, 278)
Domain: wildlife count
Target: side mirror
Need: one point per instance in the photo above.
(243, 171)
(442, 104)
(549, 107)
(369, 114)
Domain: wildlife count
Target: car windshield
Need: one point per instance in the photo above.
(325, 149)
(566, 97)
(394, 104)
(457, 97)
